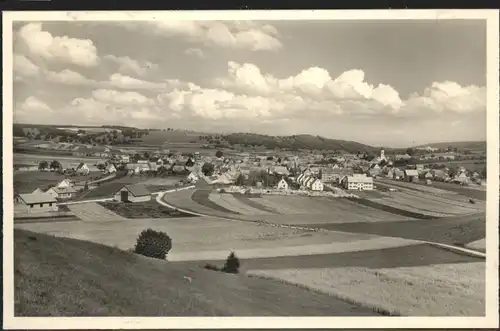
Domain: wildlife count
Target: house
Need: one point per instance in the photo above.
(110, 168)
(280, 170)
(411, 175)
(192, 177)
(132, 193)
(39, 202)
(65, 183)
(462, 178)
(329, 174)
(62, 193)
(315, 185)
(428, 175)
(282, 185)
(125, 158)
(38, 190)
(358, 182)
(83, 169)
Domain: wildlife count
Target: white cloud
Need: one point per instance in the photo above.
(450, 97)
(42, 44)
(126, 82)
(68, 77)
(236, 35)
(33, 104)
(24, 67)
(130, 66)
(195, 52)
(121, 98)
(315, 83)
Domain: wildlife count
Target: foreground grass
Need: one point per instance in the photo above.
(434, 290)
(66, 277)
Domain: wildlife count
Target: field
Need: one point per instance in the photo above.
(64, 277)
(159, 138)
(66, 161)
(149, 209)
(407, 291)
(27, 182)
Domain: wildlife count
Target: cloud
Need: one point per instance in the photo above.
(121, 98)
(130, 66)
(194, 52)
(68, 77)
(234, 35)
(32, 104)
(314, 83)
(126, 82)
(33, 110)
(450, 97)
(42, 44)
(24, 67)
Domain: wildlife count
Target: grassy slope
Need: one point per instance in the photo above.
(65, 277)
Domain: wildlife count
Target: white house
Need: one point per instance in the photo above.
(62, 192)
(315, 185)
(282, 185)
(83, 169)
(411, 175)
(64, 183)
(360, 183)
(110, 168)
(192, 177)
(38, 202)
(132, 193)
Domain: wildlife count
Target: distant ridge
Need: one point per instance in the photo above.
(473, 145)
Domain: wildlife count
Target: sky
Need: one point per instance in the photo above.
(391, 83)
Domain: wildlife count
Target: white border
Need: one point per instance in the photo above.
(493, 161)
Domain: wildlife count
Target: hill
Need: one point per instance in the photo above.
(67, 277)
(460, 145)
(303, 141)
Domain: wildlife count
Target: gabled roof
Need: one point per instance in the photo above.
(38, 197)
(411, 172)
(360, 179)
(137, 190)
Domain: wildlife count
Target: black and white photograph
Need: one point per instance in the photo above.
(163, 164)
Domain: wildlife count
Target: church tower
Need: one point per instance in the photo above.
(382, 155)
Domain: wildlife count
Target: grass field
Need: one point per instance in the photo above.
(35, 159)
(149, 209)
(479, 245)
(434, 290)
(64, 277)
(456, 230)
(29, 181)
(230, 202)
(439, 188)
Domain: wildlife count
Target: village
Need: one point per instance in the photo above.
(310, 174)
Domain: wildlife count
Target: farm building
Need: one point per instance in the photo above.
(132, 193)
(38, 202)
(358, 182)
(280, 170)
(282, 185)
(462, 178)
(411, 175)
(62, 192)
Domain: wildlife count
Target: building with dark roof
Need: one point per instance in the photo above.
(133, 193)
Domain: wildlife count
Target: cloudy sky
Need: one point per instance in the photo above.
(393, 83)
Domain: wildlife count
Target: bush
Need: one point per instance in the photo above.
(211, 267)
(155, 244)
(232, 264)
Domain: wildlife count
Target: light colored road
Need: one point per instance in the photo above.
(93, 212)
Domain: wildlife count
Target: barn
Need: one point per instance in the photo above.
(133, 193)
(37, 202)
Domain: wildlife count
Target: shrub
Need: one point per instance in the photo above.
(211, 267)
(232, 264)
(155, 244)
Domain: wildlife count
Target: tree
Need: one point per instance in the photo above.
(410, 151)
(43, 165)
(219, 154)
(207, 169)
(383, 163)
(232, 264)
(55, 165)
(483, 173)
(240, 180)
(137, 157)
(86, 186)
(155, 244)
(270, 158)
